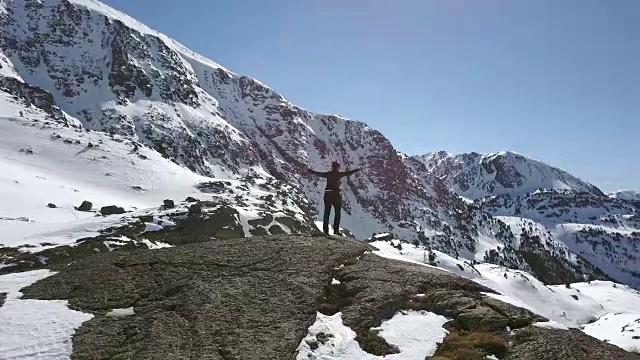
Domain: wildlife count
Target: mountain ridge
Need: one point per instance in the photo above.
(629, 195)
(476, 175)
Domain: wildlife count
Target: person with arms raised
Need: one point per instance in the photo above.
(332, 197)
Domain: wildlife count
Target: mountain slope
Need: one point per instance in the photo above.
(603, 230)
(119, 77)
(475, 175)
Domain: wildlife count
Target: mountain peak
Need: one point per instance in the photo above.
(475, 175)
(111, 13)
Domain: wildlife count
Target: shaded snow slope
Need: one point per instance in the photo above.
(615, 251)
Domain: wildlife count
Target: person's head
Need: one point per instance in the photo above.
(335, 166)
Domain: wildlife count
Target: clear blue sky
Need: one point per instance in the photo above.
(556, 80)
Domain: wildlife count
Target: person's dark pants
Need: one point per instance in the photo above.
(332, 199)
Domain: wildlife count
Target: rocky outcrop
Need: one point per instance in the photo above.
(33, 96)
(533, 343)
(373, 288)
(237, 299)
(233, 212)
(255, 299)
(3, 297)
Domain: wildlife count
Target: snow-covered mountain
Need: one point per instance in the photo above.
(604, 230)
(628, 195)
(473, 175)
(542, 202)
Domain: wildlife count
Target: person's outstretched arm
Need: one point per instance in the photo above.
(318, 173)
(350, 172)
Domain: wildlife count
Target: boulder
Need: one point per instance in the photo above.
(85, 206)
(111, 210)
(3, 297)
(220, 223)
(52, 205)
(195, 209)
(276, 230)
(169, 204)
(191, 199)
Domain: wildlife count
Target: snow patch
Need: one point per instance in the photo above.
(415, 333)
(155, 244)
(551, 325)
(121, 312)
(617, 329)
(35, 329)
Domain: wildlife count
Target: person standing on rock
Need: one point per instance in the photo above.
(332, 197)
